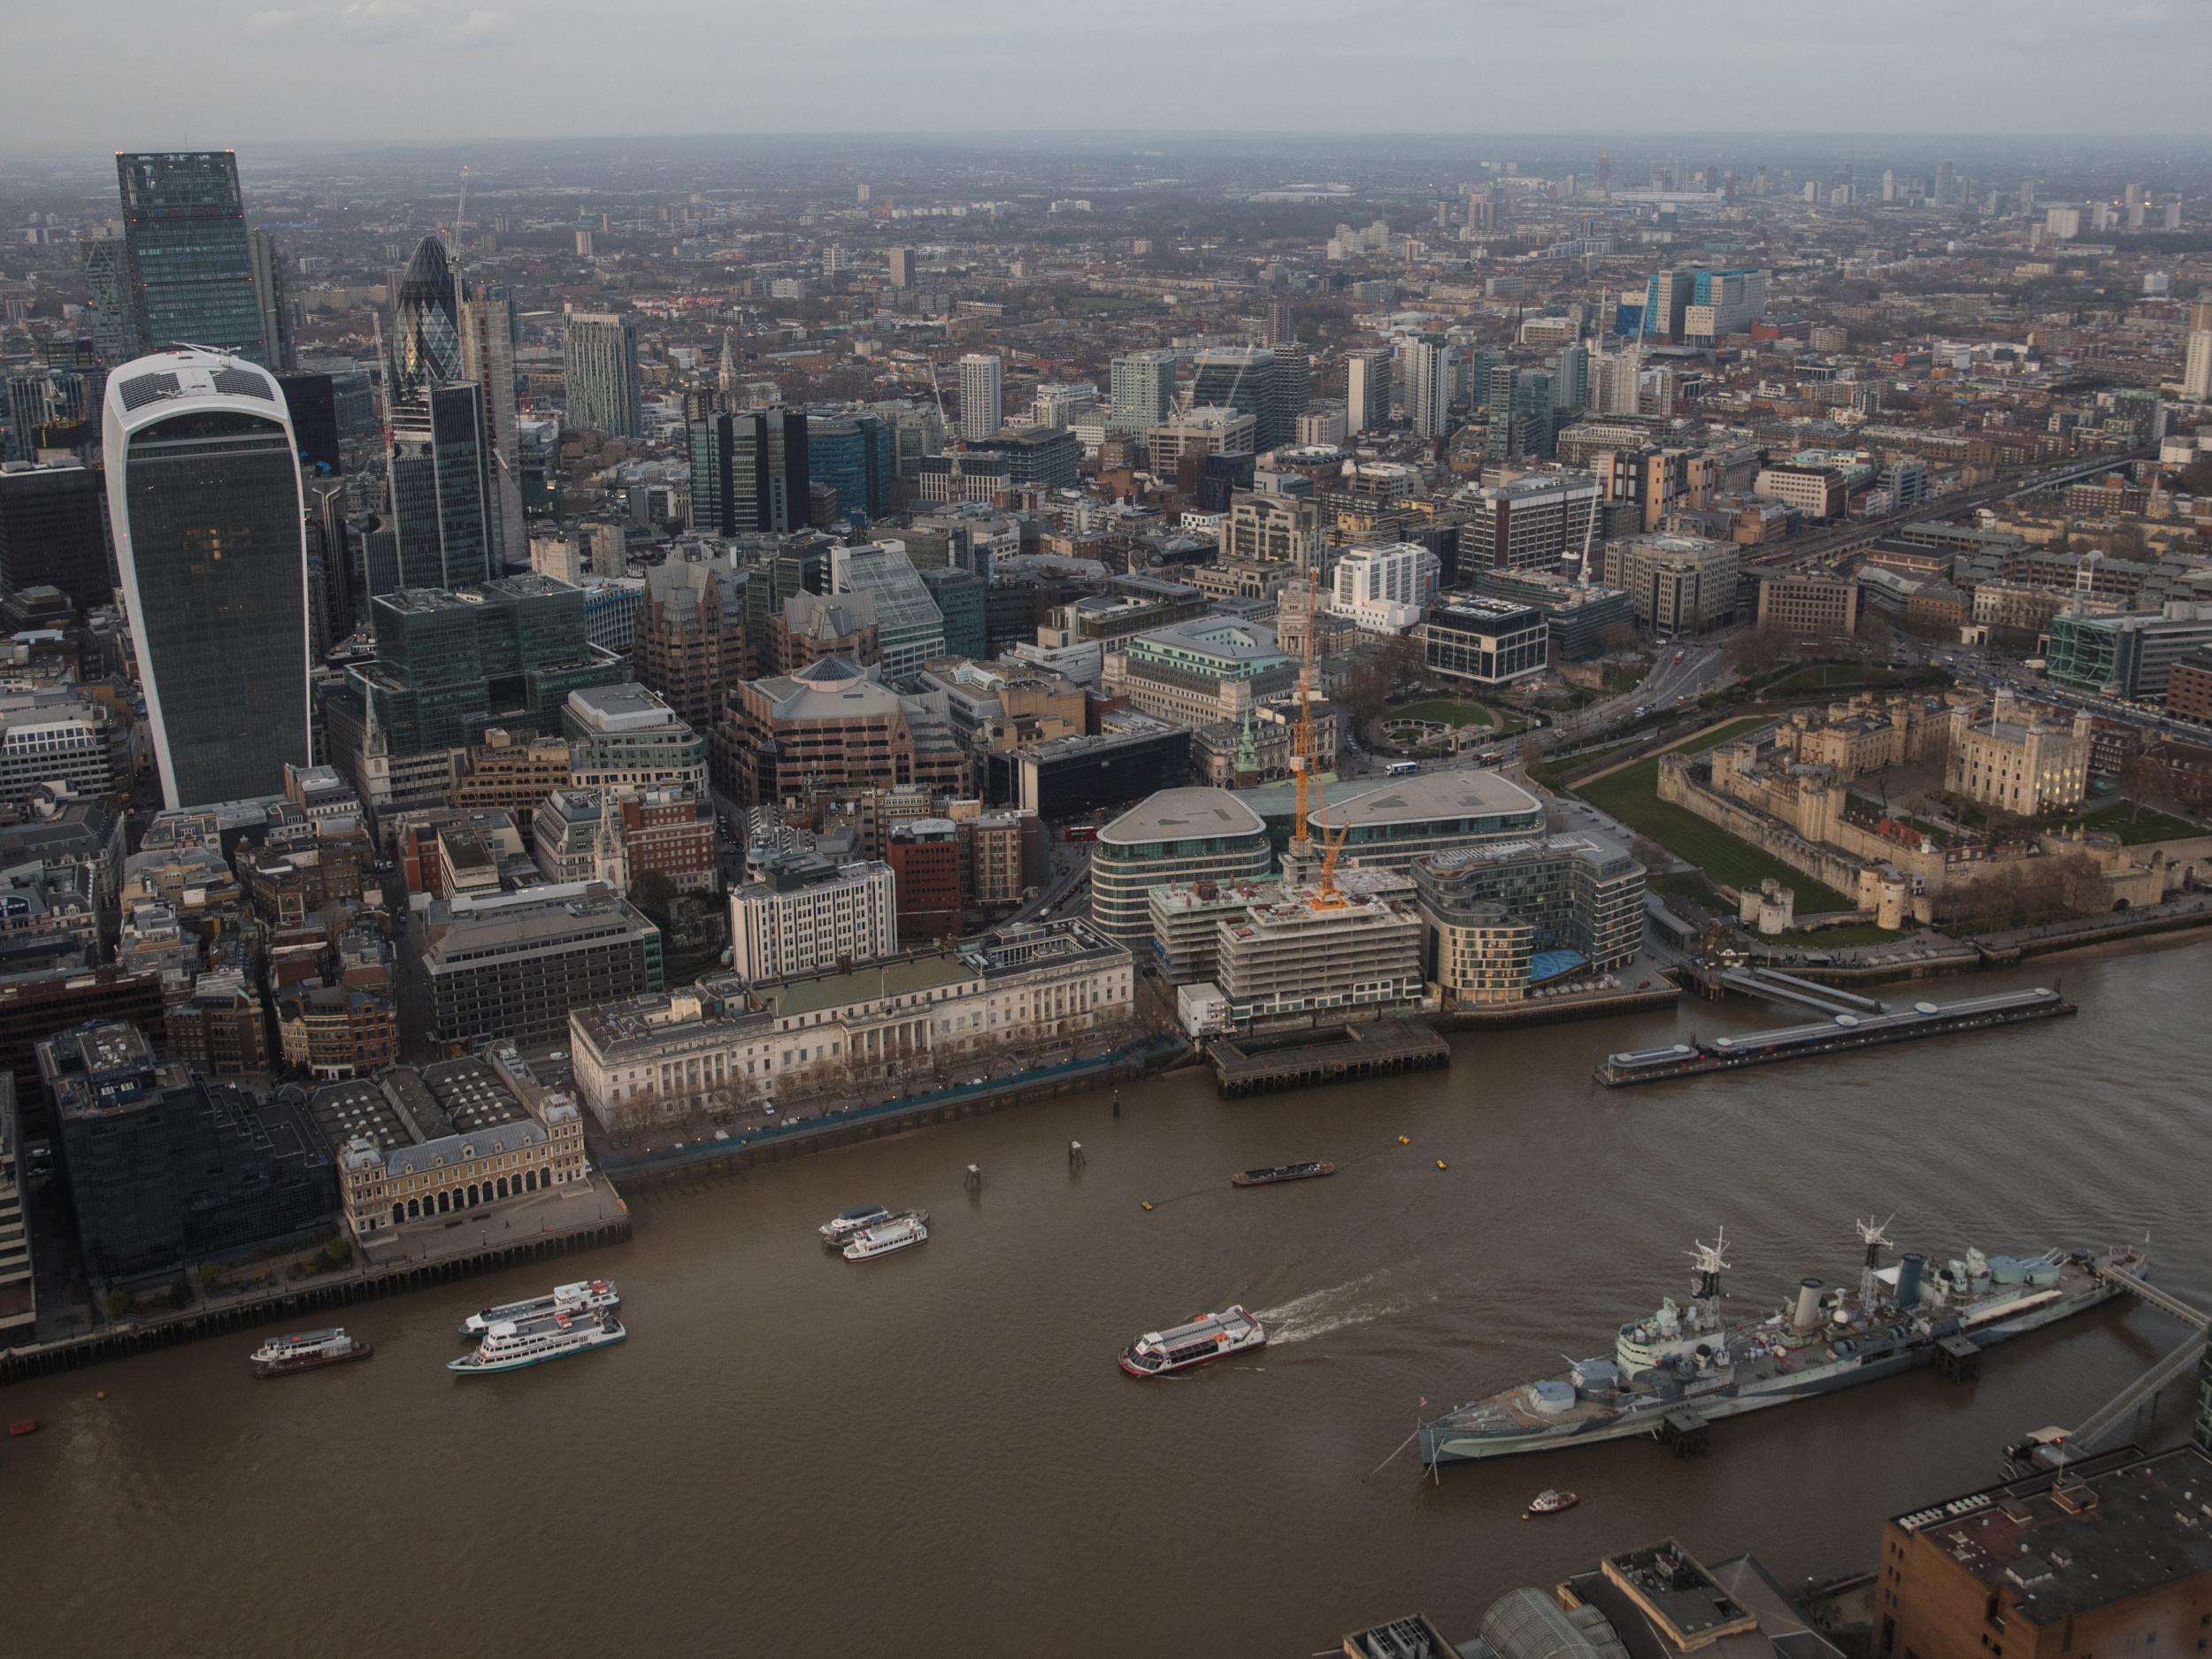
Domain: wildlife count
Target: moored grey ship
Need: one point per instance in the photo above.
(1678, 1368)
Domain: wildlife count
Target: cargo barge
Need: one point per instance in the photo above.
(1839, 1035)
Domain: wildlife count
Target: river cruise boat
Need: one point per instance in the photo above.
(1206, 1338)
(1282, 1172)
(845, 1223)
(589, 1295)
(306, 1350)
(511, 1346)
(898, 1234)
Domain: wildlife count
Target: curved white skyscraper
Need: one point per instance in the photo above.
(203, 497)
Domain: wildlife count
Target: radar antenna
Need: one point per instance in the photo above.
(1875, 1236)
(1706, 1262)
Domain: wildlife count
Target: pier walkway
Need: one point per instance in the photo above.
(2100, 1424)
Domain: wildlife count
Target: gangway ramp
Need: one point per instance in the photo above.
(2100, 1424)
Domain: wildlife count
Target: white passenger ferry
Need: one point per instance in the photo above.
(894, 1234)
(1208, 1337)
(511, 1347)
(847, 1223)
(589, 1295)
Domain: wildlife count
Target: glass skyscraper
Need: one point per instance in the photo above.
(188, 267)
(852, 454)
(203, 497)
(1241, 378)
(442, 510)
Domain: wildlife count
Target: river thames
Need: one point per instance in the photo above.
(935, 1454)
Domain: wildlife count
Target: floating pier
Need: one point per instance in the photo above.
(1339, 1053)
(1839, 1035)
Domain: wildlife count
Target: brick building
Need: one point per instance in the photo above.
(925, 859)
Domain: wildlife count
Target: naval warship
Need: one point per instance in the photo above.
(1679, 1368)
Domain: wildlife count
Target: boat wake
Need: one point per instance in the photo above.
(1340, 1307)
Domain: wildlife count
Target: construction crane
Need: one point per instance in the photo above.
(1303, 764)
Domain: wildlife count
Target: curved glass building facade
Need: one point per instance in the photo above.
(203, 497)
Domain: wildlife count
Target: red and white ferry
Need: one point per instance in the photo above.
(1206, 1338)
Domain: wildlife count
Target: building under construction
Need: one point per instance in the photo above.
(1307, 953)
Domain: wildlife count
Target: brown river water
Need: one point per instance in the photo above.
(934, 1453)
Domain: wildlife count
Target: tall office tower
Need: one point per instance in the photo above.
(113, 325)
(1605, 172)
(187, 271)
(1570, 376)
(599, 352)
(711, 443)
(1294, 388)
(1889, 185)
(426, 350)
(1280, 327)
(750, 472)
(1520, 406)
(487, 357)
(1613, 383)
(1142, 392)
(440, 459)
(982, 380)
(440, 469)
(1366, 389)
(274, 291)
(1944, 183)
(203, 499)
(1241, 378)
(852, 454)
(2196, 371)
(902, 263)
(1666, 296)
(51, 532)
(1428, 386)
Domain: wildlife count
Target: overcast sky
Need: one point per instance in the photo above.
(109, 74)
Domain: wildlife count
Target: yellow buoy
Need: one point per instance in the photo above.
(1147, 1206)
(1440, 1163)
(1405, 1141)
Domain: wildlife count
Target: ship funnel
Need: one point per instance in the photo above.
(1807, 1314)
(1908, 1269)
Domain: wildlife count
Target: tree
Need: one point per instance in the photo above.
(656, 895)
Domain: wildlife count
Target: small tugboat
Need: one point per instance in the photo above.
(586, 1295)
(1207, 1338)
(511, 1347)
(306, 1350)
(1282, 1172)
(898, 1234)
(845, 1223)
(1551, 1501)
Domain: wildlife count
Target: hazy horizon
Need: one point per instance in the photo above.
(236, 73)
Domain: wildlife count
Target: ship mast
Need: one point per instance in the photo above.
(1875, 1236)
(1707, 1266)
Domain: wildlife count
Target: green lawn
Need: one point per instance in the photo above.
(1631, 795)
(1847, 677)
(2113, 819)
(1444, 711)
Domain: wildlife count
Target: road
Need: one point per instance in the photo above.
(1669, 684)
